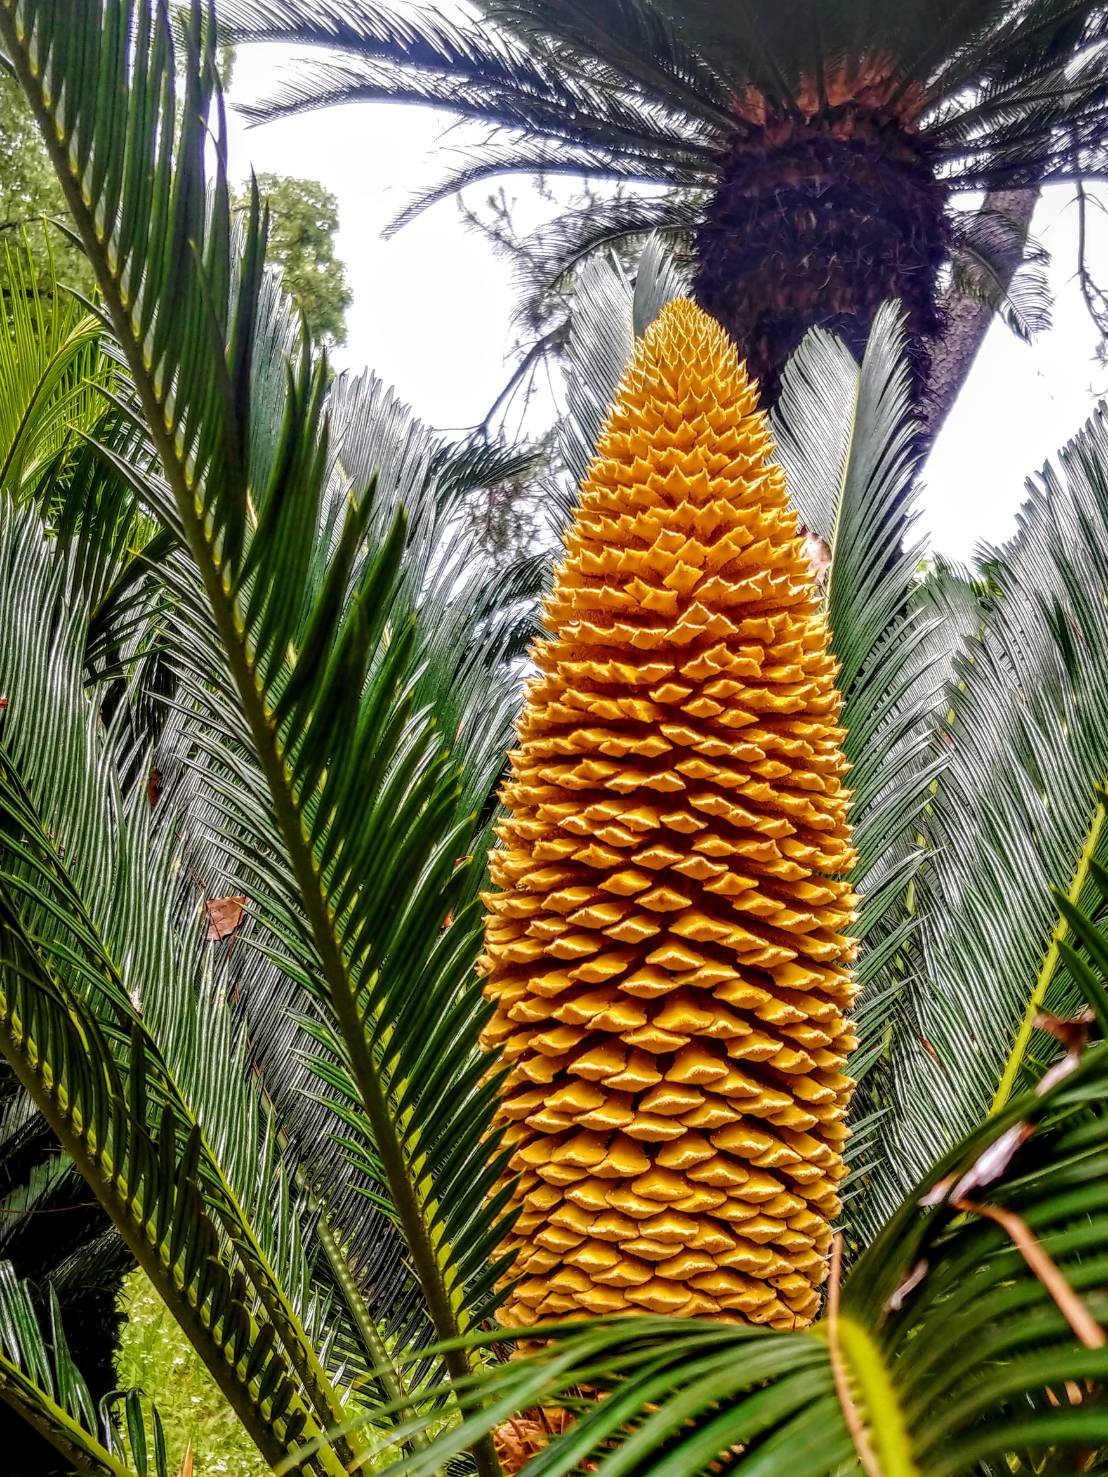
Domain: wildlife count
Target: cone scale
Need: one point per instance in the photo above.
(667, 935)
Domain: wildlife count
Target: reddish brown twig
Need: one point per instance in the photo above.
(1084, 1325)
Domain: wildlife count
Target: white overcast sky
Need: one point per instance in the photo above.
(432, 307)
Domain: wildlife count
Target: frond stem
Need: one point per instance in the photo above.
(832, 1327)
(867, 1372)
(1014, 1064)
(376, 1348)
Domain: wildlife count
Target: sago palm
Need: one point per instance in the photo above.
(287, 1114)
(809, 153)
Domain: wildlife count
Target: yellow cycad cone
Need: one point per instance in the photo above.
(666, 945)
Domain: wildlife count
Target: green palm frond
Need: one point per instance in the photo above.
(631, 85)
(749, 134)
(349, 787)
(845, 435)
(53, 376)
(607, 313)
(1013, 815)
(457, 675)
(560, 246)
(100, 959)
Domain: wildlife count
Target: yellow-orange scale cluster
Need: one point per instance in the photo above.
(667, 935)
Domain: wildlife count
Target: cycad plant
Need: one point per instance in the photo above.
(246, 1001)
(810, 153)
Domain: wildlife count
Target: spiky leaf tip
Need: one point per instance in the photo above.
(667, 939)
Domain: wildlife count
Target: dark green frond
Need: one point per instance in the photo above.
(99, 937)
(39, 1380)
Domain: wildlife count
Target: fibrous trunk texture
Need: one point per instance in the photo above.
(666, 941)
(816, 222)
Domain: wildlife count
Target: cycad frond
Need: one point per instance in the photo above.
(350, 791)
(92, 956)
(1025, 742)
(53, 378)
(40, 1381)
(986, 243)
(846, 437)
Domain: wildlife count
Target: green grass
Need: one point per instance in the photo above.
(155, 1356)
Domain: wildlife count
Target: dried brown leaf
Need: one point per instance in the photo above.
(224, 916)
(818, 553)
(1084, 1325)
(910, 1283)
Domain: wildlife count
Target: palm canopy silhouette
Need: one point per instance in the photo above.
(810, 150)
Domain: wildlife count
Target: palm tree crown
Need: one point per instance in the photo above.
(810, 151)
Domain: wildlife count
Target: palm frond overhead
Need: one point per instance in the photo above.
(827, 140)
(985, 242)
(961, 72)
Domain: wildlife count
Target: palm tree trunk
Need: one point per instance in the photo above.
(816, 222)
(966, 320)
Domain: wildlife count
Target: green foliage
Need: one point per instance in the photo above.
(945, 1346)
(243, 997)
(156, 1358)
(303, 219)
(30, 194)
(39, 1380)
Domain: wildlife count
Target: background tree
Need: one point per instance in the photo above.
(30, 193)
(303, 219)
